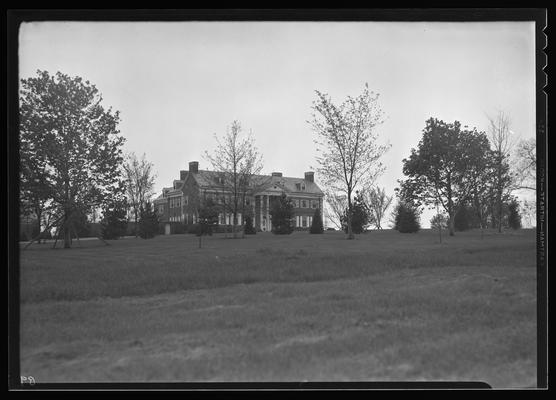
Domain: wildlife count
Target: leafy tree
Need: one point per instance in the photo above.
(514, 218)
(148, 221)
(377, 202)
(114, 221)
(406, 218)
(439, 221)
(80, 223)
(139, 183)
(528, 211)
(208, 217)
(360, 215)
(443, 169)
(349, 155)
(466, 218)
(249, 229)
(526, 165)
(282, 214)
(75, 143)
(316, 225)
(238, 162)
(336, 206)
(501, 180)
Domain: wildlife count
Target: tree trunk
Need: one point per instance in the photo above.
(500, 213)
(135, 226)
(39, 216)
(451, 211)
(451, 223)
(349, 219)
(234, 222)
(67, 232)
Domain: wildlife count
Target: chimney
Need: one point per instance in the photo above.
(183, 175)
(310, 176)
(279, 174)
(194, 167)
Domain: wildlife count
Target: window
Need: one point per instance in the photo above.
(303, 204)
(186, 200)
(313, 204)
(304, 221)
(161, 209)
(298, 186)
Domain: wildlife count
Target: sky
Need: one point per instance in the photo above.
(176, 84)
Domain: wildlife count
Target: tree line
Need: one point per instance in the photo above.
(72, 165)
(72, 162)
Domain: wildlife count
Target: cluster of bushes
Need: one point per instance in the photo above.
(31, 231)
(467, 217)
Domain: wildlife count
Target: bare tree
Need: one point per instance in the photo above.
(349, 156)
(502, 141)
(140, 180)
(526, 165)
(378, 202)
(335, 208)
(238, 162)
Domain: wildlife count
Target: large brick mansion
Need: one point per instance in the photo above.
(180, 203)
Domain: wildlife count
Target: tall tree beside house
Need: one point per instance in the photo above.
(317, 225)
(148, 221)
(282, 215)
(237, 160)
(76, 143)
(139, 182)
(347, 142)
(442, 170)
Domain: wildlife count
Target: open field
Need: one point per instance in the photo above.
(386, 306)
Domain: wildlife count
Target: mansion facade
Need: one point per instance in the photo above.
(180, 203)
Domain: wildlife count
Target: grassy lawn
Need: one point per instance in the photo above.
(386, 306)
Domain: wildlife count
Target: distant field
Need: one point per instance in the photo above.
(386, 306)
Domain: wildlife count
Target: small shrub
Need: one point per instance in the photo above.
(193, 229)
(148, 222)
(514, 219)
(281, 214)
(114, 222)
(461, 219)
(317, 226)
(406, 219)
(178, 228)
(248, 229)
